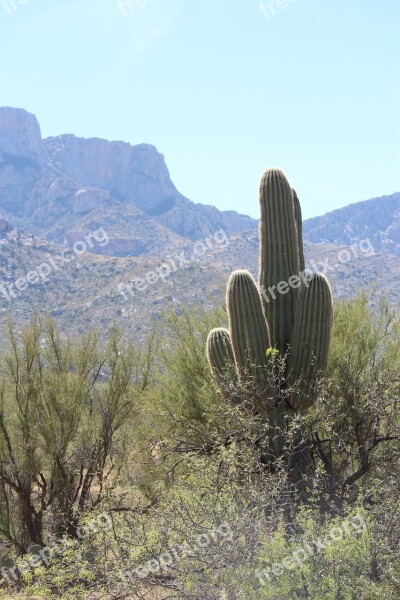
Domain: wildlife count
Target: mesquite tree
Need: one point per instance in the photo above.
(64, 417)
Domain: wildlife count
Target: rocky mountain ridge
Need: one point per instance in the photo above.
(61, 187)
(54, 192)
(377, 219)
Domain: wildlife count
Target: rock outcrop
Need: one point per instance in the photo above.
(63, 185)
(137, 174)
(20, 135)
(22, 158)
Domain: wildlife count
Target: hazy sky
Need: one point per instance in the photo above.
(221, 87)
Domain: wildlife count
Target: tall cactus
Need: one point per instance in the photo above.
(279, 255)
(289, 314)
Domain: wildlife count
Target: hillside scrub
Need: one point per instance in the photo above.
(195, 511)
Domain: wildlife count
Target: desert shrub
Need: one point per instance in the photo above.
(65, 411)
(195, 513)
(356, 423)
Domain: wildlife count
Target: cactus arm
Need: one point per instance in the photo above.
(219, 351)
(222, 363)
(249, 330)
(308, 355)
(299, 227)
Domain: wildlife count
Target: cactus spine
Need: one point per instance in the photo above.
(295, 318)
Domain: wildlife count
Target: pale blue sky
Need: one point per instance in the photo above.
(221, 88)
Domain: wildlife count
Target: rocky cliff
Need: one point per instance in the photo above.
(62, 187)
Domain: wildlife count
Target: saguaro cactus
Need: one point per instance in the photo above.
(289, 314)
(279, 254)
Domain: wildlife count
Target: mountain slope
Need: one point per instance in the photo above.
(59, 187)
(377, 219)
(90, 290)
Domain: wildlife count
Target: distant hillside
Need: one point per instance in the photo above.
(64, 186)
(93, 291)
(377, 219)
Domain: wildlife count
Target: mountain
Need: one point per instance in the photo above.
(91, 290)
(377, 219)
(94, 233)
(62, 187)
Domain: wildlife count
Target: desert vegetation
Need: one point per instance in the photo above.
(258, 461)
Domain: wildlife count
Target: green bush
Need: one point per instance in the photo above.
(174, 462)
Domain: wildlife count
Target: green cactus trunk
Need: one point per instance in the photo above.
(279, 256)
